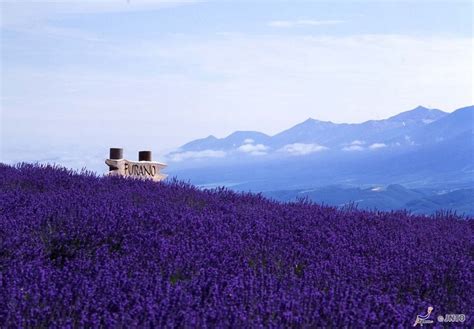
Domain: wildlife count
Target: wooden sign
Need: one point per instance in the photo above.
(143, 169)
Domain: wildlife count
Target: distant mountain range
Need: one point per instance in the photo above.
(419, 149)
(418, 126)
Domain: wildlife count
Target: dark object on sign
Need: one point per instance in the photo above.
(144, 156)
(116, 153)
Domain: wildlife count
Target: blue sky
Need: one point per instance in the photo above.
(154, 75)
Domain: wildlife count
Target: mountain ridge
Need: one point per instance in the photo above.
(396, 130)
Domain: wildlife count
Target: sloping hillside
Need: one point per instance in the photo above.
(83, 251)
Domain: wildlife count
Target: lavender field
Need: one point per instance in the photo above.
(78, 250)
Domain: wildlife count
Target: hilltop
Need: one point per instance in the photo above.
(86, 251)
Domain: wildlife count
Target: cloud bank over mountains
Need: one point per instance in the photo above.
(302, 148)
(251, 148)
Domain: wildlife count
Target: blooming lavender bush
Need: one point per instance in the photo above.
(78, 250)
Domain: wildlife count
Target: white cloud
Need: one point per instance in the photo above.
(189, 155)
(353, 148)
(253, 149)
(302, 22)
(355, 145)
(377, 146)
(302, 149)
(408, 140)
(29, 13)
(249, 141)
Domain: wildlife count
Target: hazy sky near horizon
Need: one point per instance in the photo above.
(157, 74)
